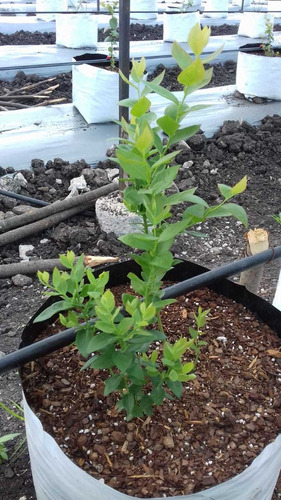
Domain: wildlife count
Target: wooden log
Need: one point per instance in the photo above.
(32, 266)
(257, 241)
(58, 206)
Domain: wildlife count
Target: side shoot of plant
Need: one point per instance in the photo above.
(123, 341)
(113, 35)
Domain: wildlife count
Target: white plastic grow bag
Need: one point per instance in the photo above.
(143, 5)
(258, 75)
(238, 3)
(56, 477)
(178, 6)
(275, 5)
(77, 30)
(176, 27)
(218, 6)
(253, 24)
(52, 6)
(95, 93)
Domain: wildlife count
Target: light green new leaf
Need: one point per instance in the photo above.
(212, 56)
(225, 190)
(161, 91)
(181, 56)
(198, 39)
(141, 107)
(239, 187)
(145, 141)
(133, 164)
(126, 80)
(193, 74)
(168, 125)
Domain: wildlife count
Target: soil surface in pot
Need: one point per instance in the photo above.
(237, 149)
(138, 32)
(223, 420)
(58, 89)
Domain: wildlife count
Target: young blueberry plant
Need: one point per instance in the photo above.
(269, 39)
(113, 35)
(123, 340)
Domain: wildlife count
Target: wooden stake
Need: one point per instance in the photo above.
(257, 241)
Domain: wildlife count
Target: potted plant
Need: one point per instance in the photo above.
(253, 24)
(144, 9)
(95, 85)
(274, 5)
(219, 6)
(179, 19)
(121, 343)
(77, 31)
(51, 6)
(258, 68)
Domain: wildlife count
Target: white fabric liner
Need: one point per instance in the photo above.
(274, 5)
(257, 75)
(95, 93)
(77, 30)
(56, 477)
(218, 5)
(253, 24)
(143, 5)
(176, 27)
(52, 6)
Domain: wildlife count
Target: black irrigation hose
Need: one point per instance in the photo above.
(62, 339)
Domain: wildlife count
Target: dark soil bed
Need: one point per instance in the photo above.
(224, 74)
(237, 149)
(138, 32)
(223, 420)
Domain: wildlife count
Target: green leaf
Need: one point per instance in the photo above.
(146, 405)
(239, 187)
(172, 230)
(139, 240)
(198, 39)
(112, 384)
(181, 56)
(141, 107)
(193, 74)
(188, 367)
(125, 79)
(164, 179)
(226, 191)
(133, 164)
(168, 351)
(188, 195)
(128, 103)
(173, 376)
(158, 395)
(145, 141)
(136, 374)
(8, 437)
(184, 133)
(164, 160)
(176, 387)
(238, 212)
(212, 56)
(100, 341)
(67, 260)
(161, 91)
(123, 360)
(61, 305)
(128, 402)
(168, 125)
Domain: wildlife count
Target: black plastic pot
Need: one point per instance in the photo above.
(118, 275)
(95, 59)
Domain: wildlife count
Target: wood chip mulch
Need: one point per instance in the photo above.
(223, 421)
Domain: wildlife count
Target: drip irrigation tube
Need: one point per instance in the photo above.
(62, 339)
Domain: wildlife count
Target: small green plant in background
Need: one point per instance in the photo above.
(277, 217)
(9, 437)
(78, 5)
(123, 340)
(269, 39)
(113, 35)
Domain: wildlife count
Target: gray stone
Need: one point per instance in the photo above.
(113, 216)
(6, 182)
(23, 249)
(2, 215)
(78, 183)
(111, 151)
(89, 174)
(112, 173)
(183, 146)
(187, 164)
(21, 280)
(100, 177)
(9, 203)
(21, 180)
